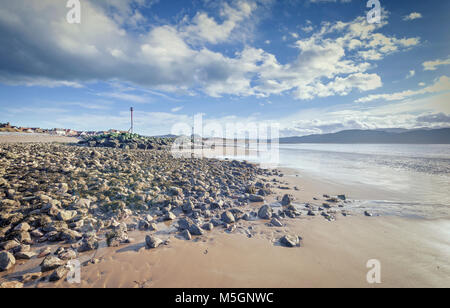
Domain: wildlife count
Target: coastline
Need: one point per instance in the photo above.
(412, 252)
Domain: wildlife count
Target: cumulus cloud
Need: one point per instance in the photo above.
(114, 42)
(412, 16)
(433, 65)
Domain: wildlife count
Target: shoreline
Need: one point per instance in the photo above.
(412, 252)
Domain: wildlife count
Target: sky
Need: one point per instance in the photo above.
(312, 66)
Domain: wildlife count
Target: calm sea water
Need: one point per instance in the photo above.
(399, 179)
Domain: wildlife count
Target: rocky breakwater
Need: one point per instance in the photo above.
(127, 141)
(77, 196)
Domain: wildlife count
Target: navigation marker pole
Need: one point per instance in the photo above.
(131, 110)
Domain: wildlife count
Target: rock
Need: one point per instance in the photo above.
(290, 241)
(195, 230)
(143, 225)
(184, 223)
(59, 273)
(312, 213)
(265, 212)
(342, 197)
(287, 200)
(25, 278)
(88, 244)
(227, 217)
(186, 235)
(10, 245)
(66, 215)
(170, 216)
(11, 285)
(68, 254)
(24, 237)
(23, 227)
(50, 263)
(208, 227)
(188, 207)
(83, 204)
(7, 261)
(275, 222)
(175, 191)
(25, 255)
(152, 242)
(44, 252)
(231, 229)
(256, 198)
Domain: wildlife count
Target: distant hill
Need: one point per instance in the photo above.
(419, 136)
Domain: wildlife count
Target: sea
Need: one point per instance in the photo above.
(392, 179)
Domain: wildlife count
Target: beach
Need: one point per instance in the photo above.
(31, 138)
(337, 240)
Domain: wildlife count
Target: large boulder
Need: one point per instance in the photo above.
(196, 230)
(290, 241)
(152, 242)
(50, 263)
(7, 261)
(227, 217)
(265, 212)
(256, 198)
(287, 200)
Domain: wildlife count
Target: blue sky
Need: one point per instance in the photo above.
(313, 66)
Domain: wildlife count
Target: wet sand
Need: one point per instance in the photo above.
(412, 254)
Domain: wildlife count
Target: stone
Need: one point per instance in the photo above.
(23, 227)
(68, 254)
(265, 212)
(195, 230)
(11, 285)
(290, 241)
(186, 235)
(44, 252)
(10, 245)
(175, 191)
(342, 197)
(208, 227)
(50, 263)
(7, 261)
(227, 217)
(170, 216)
(25, 278)
(184, 223)
(188, 207)
(66, 215)
(287, 200)
(256, 198)
(25, 255)
(276, 223)
(152, 242)
(59, 273)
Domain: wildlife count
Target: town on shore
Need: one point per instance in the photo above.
(66, 132)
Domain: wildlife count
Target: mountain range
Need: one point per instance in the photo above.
(399, 136)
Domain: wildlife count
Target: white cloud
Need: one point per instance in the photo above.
(440, 85)
(411, 74)
(178, 57)
(432, 65)
(412, 16)
(176, 109)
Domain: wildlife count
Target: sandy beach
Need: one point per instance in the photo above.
(333, 252)
(31, 138)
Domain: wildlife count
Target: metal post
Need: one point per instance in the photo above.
(131, 129)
